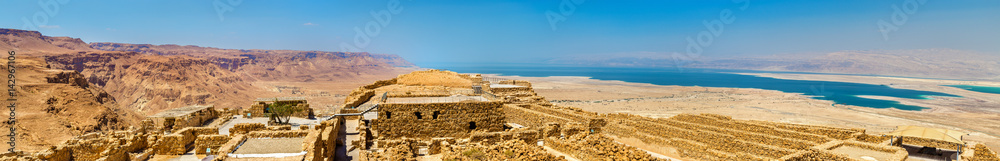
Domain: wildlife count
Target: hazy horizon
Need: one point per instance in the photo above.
(435, 32)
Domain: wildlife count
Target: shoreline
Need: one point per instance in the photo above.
(646, 99)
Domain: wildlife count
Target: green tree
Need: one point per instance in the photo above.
(281, 112)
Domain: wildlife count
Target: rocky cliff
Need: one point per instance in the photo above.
(32, 42)
(275, 65)
(152, 83)
(54, 105)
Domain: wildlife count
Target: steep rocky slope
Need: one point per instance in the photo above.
(54, 105)
(152, 83)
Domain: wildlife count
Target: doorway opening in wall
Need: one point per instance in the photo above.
(418, 115)
(472, 125)
(388, 115)
(435, 115)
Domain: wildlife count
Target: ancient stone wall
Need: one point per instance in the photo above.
(243, 128)
(438, 119)
(503, 150)
(194, 119)
(313, 145)
(929, 143)
(358, 97)
(213, 142)
(118, 145)
(516, 82)
(278, 134)
(528, 136)
(873, 138)
(539, 116)
(279, 127)
(259, 109)
(229, 146)
(177, 143)
(330, 130)
(982, 153)
(587, 146)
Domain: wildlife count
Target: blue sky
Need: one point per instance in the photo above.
(433, 32)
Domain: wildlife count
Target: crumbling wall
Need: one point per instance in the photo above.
(516, 82)
(213, 142)
(329, 136)
(399, 150)
(504, 150)
(116, 145)
(717, 137)
(539, 116)
(278, 134)
(194, 119)
(586, 146)
(982, 153)
(243, 128)
(528, 136)
(258, 109)
(229, 146)
(872, 138)
(279, 127)
(358, 97)
(438, 119)
(312, 144)
(177, 143)
(929, 143)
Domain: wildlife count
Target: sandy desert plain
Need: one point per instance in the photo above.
(974, 112)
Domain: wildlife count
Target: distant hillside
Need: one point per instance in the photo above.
(153, 83)
(33, 42)
(928, 63)
(276, 65)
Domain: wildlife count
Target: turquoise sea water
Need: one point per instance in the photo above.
(984, 89)
(838, 92)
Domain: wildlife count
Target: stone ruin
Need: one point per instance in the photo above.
(189, 116)
(427, 120)
(259, 108)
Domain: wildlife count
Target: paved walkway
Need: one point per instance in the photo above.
(348, 133)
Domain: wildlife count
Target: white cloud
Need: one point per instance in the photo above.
(49, 26)
(309, 24)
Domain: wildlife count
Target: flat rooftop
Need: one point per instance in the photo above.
(449, 99)
(504, 86)
(182, 111)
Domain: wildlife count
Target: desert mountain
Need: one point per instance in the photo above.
(54, 105)
(928, 63)
(276, 65)
(33, 42)
(152, 83)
